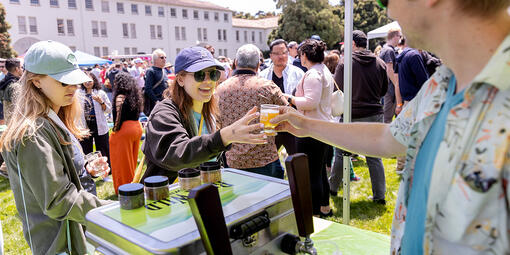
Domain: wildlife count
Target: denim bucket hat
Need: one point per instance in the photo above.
(55, 60)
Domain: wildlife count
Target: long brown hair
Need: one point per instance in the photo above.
(185, 103)
(29, 104)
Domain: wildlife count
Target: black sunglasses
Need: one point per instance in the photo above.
(199, 76)
(383, 3)
(162, 57)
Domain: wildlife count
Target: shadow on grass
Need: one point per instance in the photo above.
(360, 209)
(4, 184)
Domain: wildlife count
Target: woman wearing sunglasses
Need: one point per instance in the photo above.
(181, 131)
(43, 156)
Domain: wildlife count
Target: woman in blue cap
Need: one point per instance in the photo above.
(181, 131)
(43, 155)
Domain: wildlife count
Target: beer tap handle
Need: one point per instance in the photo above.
(300, 189)
(206, 208)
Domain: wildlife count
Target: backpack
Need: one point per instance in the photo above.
(431, 62)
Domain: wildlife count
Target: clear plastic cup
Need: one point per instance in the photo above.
(268, 112)
(94, 163)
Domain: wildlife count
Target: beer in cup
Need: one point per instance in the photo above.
(268, 112)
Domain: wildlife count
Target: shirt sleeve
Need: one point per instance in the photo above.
(46, 177)
(419, 69)
(401, 127)
(106, 101)
(312, 88)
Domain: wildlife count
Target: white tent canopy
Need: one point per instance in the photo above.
(382, 31)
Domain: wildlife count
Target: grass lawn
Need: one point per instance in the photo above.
(364, 213)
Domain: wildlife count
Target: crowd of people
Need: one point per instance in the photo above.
(450, 137)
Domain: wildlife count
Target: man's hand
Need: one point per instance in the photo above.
(290, 120)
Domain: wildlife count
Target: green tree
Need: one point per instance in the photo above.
(367, 16)
(6, 50)
(301, 19)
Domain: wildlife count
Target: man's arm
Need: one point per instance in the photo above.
(372, 139)
(149, 82)
(394, 79)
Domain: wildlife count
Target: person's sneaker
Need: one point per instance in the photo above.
(325, 215)
(355, 178)
(108, 179)
(377, 201)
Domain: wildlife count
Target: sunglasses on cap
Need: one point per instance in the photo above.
(383, 3)
(199, 76)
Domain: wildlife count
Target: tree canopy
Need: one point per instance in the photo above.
(301, 19)
(6, 50)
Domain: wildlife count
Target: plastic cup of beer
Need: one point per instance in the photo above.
(94, 163)
(268, 112)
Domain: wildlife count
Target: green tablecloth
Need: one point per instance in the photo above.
(331, 237)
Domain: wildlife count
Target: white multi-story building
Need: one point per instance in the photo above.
(104, 27)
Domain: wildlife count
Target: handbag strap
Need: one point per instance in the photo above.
(336, 85)
(160, 81)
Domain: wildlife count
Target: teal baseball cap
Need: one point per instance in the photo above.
(55, 60)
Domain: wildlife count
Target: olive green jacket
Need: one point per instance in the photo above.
(52, 191)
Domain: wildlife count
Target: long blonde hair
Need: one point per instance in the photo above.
(29, 104)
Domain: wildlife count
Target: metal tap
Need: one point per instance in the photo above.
(307, 246)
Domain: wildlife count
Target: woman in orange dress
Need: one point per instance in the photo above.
(127, 130)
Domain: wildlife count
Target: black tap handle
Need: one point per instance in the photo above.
(205, 204)
(301, 192)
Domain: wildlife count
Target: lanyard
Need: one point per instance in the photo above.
(201, 125)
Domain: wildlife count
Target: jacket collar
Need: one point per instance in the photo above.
(497, 70)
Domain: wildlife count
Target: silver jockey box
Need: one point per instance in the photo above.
(258, 212)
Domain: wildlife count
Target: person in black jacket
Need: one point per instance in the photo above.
(14, 72)
(181, 130)
(369, 85)
(155, 81)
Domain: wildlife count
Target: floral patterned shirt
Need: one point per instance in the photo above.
(236, 96)
(467, 207)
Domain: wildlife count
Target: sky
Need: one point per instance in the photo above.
(251, 6)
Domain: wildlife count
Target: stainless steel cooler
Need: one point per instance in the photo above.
(258, 212)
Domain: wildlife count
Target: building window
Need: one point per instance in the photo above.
(161, 11)
(184, 13)
(224, 35)
(245, 36)
(204, 34)
(199, 34)
(195, 14)
(54, 3)
(120, 8)
(177, 34)
(219, 34)
(73, 48)
(148, 10)
(220, 52)
(183, 33)
(216, 16)
(159, 31)
(14, 1)
(253, 36)
(104, 32)
(105, 6)
(105, 51)
(134, 9)
(177, 51)
(32, 25)
(60, 27)
(134, 50)
(225, 52)
(125, 32)
(70, 27)
(206, 15)
(126, 51)
(153, 31)
(225, 17)
(89, 5)
(34, 2)
(71, 4)
(260, 37)
(173, 13)
(133, 30)
(22, 24)
(237, 35)
(95, 29)
(97, 52)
